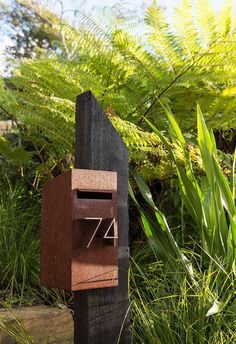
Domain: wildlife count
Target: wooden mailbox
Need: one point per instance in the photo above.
(79, 231)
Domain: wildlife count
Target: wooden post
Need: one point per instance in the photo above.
(101, 316)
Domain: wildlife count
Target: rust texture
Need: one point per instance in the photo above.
(79, 231)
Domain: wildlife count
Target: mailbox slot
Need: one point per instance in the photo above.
(81, 194)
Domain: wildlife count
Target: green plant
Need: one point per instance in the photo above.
(165, 312)
(209, 199)
(29, 26)
(20, 248)
(159, 234)
(19, 238)
(191, 61)
(16, 330)
(200, 308)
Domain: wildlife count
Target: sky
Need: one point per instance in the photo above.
(69, 6)
(169, 5)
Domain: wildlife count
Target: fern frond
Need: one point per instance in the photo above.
(186, 30)
(207, 23)
(192, 61)
(226, 19)
(161, 39)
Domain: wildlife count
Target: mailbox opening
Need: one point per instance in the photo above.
(93, 195)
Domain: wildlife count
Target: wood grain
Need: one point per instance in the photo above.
(102, 316)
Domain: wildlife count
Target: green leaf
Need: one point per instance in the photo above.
(224, 188)
(233, 234)
(20, 155)
(175, 127)
(191, 196)
(4, 146)
(232, 176)
(131, 193)
(10, 153)
(206, 145)
(162, 138)
(144, 189)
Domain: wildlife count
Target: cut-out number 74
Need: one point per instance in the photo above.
(106, 235)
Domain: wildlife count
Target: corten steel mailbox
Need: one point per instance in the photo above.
(79, 230)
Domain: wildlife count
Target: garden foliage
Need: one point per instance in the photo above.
(204, 269)
(190, 60)
(141, 71)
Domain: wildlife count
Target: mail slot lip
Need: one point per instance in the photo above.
(93, 208)
(84, 207)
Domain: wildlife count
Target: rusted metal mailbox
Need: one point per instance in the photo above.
(79, 230)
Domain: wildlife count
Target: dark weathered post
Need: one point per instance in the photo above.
(101, 316)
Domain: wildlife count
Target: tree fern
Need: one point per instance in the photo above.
(186, 30)
(226, 19)
(192, 60)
